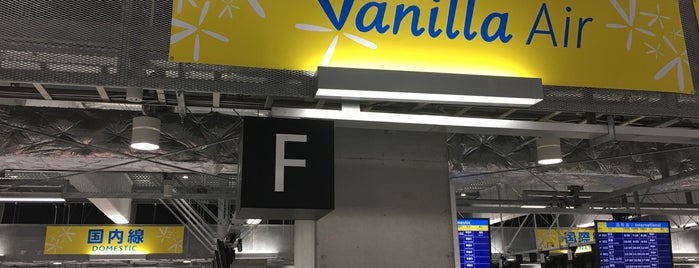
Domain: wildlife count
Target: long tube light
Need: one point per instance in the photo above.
(32, 199)
(533, 206)
(421, 87)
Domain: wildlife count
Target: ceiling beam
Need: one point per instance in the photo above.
(462, 112)
(517, 210)
(103, 93)
(216, 100)
(483, 126)
(506, 114)
(644, 186)
(549, 117)
(161, 96)
(632, 121)
(42, 90)
(151, 195)
(669, 123)
(320, 104)
(269, 101)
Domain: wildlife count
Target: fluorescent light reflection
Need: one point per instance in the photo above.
(586, 225)
(32, 199)
(347, 94)
(253, 221)
(118, 218)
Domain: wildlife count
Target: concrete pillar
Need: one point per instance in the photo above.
(392, 205)
(304, 244)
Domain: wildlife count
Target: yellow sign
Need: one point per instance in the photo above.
(560, 238)
(620, 44)
(696, 9)
(113, 240)
(633, 227)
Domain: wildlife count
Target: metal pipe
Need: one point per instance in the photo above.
(507, 248)
(189, 228)
(188, 216)
(194, 226)
(193, 213)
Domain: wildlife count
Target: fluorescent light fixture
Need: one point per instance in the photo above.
(57, 263)
(548, 149)
(32, 199)
(421, 87)
(185, 177)
(691, 259)
(463, 194)
(586, 225)
(691, 224)
(511, 258)
(533, 206)
(186, 261)
(253, 221)
(145, 133)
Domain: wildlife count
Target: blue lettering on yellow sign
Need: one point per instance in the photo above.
(95, 236)
(135, 236)
(584, 237)
(570, 238)
(372, 17)
(116, 234)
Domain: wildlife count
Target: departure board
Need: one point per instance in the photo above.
(634, 244)
(474, 243)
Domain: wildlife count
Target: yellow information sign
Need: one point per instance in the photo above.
(113, 240)
(560, 238)
(620, 44)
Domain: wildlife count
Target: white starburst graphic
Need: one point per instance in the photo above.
(654, 50)
(180, 3)
(67, 233)
(656, 17)
(257, 7)
(675, 63)
(677, 33)
(331, 49)
(165, 234)
(630, 19)
(228, 8)
(191, 29)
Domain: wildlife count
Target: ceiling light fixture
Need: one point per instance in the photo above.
(586, 225)
(422, 87)
(146, 133)
(548, 149)
(186, 261)
(33, 199)
(533, 206)
(57, 263)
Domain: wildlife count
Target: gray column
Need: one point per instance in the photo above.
(304, 244)
(392, 205)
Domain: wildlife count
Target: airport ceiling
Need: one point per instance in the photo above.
(73, 64)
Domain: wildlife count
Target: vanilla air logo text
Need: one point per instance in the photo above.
(371, 16)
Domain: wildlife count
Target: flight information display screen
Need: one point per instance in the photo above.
(634, 244)
(474, 243)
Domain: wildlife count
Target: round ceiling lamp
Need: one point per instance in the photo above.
(145, 133)
(548, 149)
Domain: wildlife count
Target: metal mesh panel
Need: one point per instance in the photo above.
(121, 44)
(125, 43)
